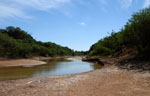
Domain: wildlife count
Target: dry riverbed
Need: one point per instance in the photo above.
(109, 81)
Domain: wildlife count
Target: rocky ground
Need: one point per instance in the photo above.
(108, 81)
(134, 64)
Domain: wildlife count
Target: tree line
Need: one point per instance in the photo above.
(135, 34)
(16, 43)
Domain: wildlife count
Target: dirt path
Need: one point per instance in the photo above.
(109, 81)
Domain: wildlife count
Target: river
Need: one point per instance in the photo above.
(52, 68)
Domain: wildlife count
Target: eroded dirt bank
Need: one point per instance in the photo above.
(109, 81)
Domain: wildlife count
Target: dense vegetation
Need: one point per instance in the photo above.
(80, 53)
(15, 42)
(135, 34)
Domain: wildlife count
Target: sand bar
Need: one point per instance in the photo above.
(20, 62)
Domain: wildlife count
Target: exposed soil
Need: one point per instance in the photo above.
(109, 81)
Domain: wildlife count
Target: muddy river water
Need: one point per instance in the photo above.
(52, 68)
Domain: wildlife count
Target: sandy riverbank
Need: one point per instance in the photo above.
(20, 62)
(109, 81)
(74, 58)
(31, 61)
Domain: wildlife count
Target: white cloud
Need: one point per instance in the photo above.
(146, 4)
(18, 8)
(126, 3)
(82, 23)
(8, 11)
(42, 4)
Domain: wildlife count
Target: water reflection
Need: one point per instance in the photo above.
(53, 67)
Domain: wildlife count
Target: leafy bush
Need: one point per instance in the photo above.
(135, 34)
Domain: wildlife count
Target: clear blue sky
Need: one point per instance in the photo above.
(74, 23)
